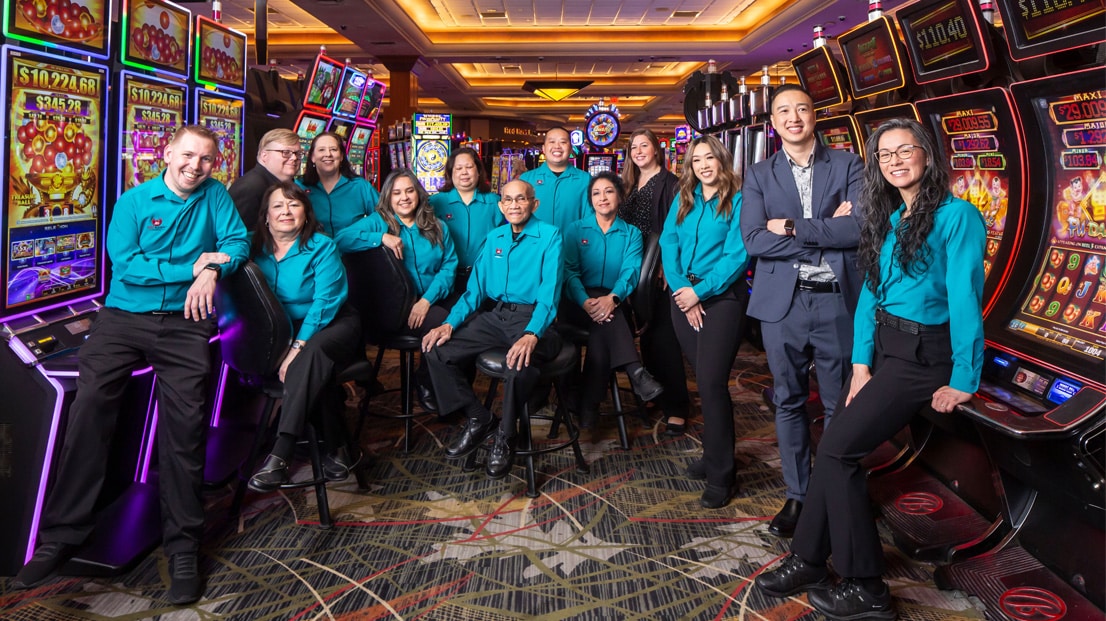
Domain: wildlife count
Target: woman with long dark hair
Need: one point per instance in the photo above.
(305, 272)
(651, 189)
(918, 342)
(704, 258)
(340, 197)
(468, 207)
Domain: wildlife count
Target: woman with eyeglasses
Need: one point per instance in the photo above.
(405, 223)
(304, 270)
(468, 207)
(651, 189)
(704, 260)
(918, 342)
(340, 197)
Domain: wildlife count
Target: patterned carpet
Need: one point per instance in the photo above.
(427, 541)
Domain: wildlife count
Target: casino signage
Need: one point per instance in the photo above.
(601, 125)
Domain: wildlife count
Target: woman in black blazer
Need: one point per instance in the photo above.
(652, 188)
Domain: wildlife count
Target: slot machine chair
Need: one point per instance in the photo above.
(382, 291)
(255, 335)
(641, 304)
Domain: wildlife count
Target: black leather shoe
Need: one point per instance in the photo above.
(783, 525)
(47, 559)
(645, 387)
(696, 471)
(793, 576)
(426, 397)
(185, 586)
(472, 436)
(336, 465)
(715, 497)
(849, 600)
(500, 457)
(273, 474)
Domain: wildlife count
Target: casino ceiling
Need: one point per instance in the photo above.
(473, 56)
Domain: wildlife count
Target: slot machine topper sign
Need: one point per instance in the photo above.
(601, 125)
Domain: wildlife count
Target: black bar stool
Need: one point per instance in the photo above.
(493, 363)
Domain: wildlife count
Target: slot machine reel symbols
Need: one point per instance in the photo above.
(218, 63)
(53, 152)
(61, 18)
(156, 44)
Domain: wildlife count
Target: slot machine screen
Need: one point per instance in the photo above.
(869, 120)
(152, 111)
(979, 138)
(322, 88)
(308, 126)
(349, 93)
(598, 163)
(872, 57)
(54, 168)
(342, 127)
(369, 109)
(839, 132)
(224, 115)
(821, 76)
(359, 141)
(222, 56)
(1063, 307)
(944, 39)
(157, 36)
(84, 29)
(1035, 28)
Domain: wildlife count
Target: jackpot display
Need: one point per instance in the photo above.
(224, 115)
(431, 135)
(78, 25)
(53, 179)
(944, 38)
(156, 36)
(1038, 27)
(150, 113)
(1066, 306)
(841, 133)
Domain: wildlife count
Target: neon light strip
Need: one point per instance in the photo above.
(40, 497)
(147, 431)
(223, 372)
(149, 448)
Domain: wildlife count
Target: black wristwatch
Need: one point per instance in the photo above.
(529, 333)
(215, 267)
(789, 227)
(617, 300)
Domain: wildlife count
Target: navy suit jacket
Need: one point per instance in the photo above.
(769, 192)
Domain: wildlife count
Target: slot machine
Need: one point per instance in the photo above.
(596, 163)
(368, 117)
(350, 90)
(318, 101)
(430, 134)
(825, 79)
(150, 111)
(874, 60)
(357, 149)
(758, 139)
(1040, 407)
(219, 72)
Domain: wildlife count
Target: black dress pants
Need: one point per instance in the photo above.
(711, 352)
(610, 346)
(659, 354)
(499, 328)
(118, 343)
(837, 516)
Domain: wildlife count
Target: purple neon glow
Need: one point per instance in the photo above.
(40, 497)
(223, 371)
(149, 448)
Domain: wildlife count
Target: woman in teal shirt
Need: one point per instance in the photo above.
(918, 341)
(339, 196)
(468, 207)
(305, 272)
(602, 255)
(704, 264)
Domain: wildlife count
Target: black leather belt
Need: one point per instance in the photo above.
(818, 286)
(884, 318)
(163, 313)
(511, 306)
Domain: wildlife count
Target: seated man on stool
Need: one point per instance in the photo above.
(519, 270)
(169, 240)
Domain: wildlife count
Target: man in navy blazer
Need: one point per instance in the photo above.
(798, 219)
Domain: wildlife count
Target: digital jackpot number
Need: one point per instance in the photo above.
(54, 80)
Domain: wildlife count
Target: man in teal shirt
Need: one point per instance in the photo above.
(169, 241)
(560, 188)
(519, 269)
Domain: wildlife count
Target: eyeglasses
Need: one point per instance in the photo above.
(287, 153)
(521, 199)
(904, 152)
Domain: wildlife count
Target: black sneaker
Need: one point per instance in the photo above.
(793, 576)
(850, 601)
(47, 559)
(186, 586)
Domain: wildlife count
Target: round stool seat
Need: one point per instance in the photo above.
(493, 362)
(401, 342)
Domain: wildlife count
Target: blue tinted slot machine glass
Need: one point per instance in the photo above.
(85, 29)
(322, 88)
(373, 96)
(220, 56)
(157, 36)
(53, 167)
(349, 93)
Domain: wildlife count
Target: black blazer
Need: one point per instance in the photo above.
(246, 192)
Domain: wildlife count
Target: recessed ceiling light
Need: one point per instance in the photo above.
(493, 14)
(685, 14)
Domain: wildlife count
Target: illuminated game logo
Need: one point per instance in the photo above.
(1032, 604)
(919, 503)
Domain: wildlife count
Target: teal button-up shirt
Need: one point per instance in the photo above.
(349, 201)
(610, 260)
(705, 244)
(562, 199)
(310, 282)
(468, 224)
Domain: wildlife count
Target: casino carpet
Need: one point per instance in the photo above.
(427, 541)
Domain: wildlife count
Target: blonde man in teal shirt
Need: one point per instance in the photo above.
(918, 342)
(560, 188)
(519, 270)
(337, 194)
(169, 241)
